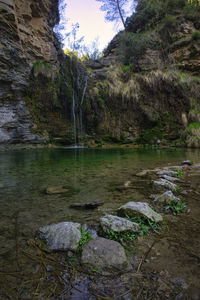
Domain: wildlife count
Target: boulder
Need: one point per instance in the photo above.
(56, 190)
(133, 209)
(104, 255)
(165, 184)
(170, 178)
(166, 197)
(167, 172)
(118, 224)
(62, 236)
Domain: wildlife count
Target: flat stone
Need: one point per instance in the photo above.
(133, 209)
(166, 197)
(164, 184)
(56, 190)
(143, 173)
(118, 224)
(104, 255)
(62, 236)
(91, 205)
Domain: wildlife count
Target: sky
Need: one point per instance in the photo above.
(91, 21)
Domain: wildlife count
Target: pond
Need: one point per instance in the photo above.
(90, 175)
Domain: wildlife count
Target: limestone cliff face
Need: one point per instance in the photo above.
(26, 36)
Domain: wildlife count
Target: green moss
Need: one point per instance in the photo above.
(193, 125)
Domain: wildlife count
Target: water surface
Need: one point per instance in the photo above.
(90, 175)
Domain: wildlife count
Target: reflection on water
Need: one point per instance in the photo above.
(89, 174)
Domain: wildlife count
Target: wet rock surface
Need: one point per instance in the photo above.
(166, 197)
(117, 224)
(62, 236)
(104, 255)
(164, 184)
(140, 209)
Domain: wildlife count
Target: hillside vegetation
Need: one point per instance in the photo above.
(147, 89)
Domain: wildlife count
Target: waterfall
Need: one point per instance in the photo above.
(82, 99)
(79, 81)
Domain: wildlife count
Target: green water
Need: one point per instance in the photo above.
(90, 174)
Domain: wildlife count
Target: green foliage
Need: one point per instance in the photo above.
(115, 10)
(125, 238)
(146, 225)
(177, 188)
(179, 173)
(193, 125)
(121, 237)
(196, 36)
(126, 68)
(85, 238)
(133, 47)
(42, 67)
(176, 207)
(149, 13)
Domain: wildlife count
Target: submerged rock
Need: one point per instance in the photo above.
(61, 236)
(143, 173)
(186, 162)
(104, 255)
(166, 197)
(118, 224)
(163, 183)
(56, 190)
(91, 205)
(133, 209)
(127, 184)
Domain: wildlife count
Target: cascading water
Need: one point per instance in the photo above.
(79, 80)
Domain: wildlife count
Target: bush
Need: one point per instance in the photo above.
(149, 13)
(133, 47)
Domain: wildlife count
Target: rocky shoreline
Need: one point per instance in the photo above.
(104, 257)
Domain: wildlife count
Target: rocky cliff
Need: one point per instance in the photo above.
(26, 36)
(147, 87)
(145, 90)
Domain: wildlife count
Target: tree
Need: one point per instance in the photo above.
(75, 43)
(115, 10)
(91, 51)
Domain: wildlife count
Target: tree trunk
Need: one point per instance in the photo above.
(120, 13)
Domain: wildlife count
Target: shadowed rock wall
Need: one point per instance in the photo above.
(26, 36)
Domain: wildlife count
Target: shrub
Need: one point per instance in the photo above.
(133, 47)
